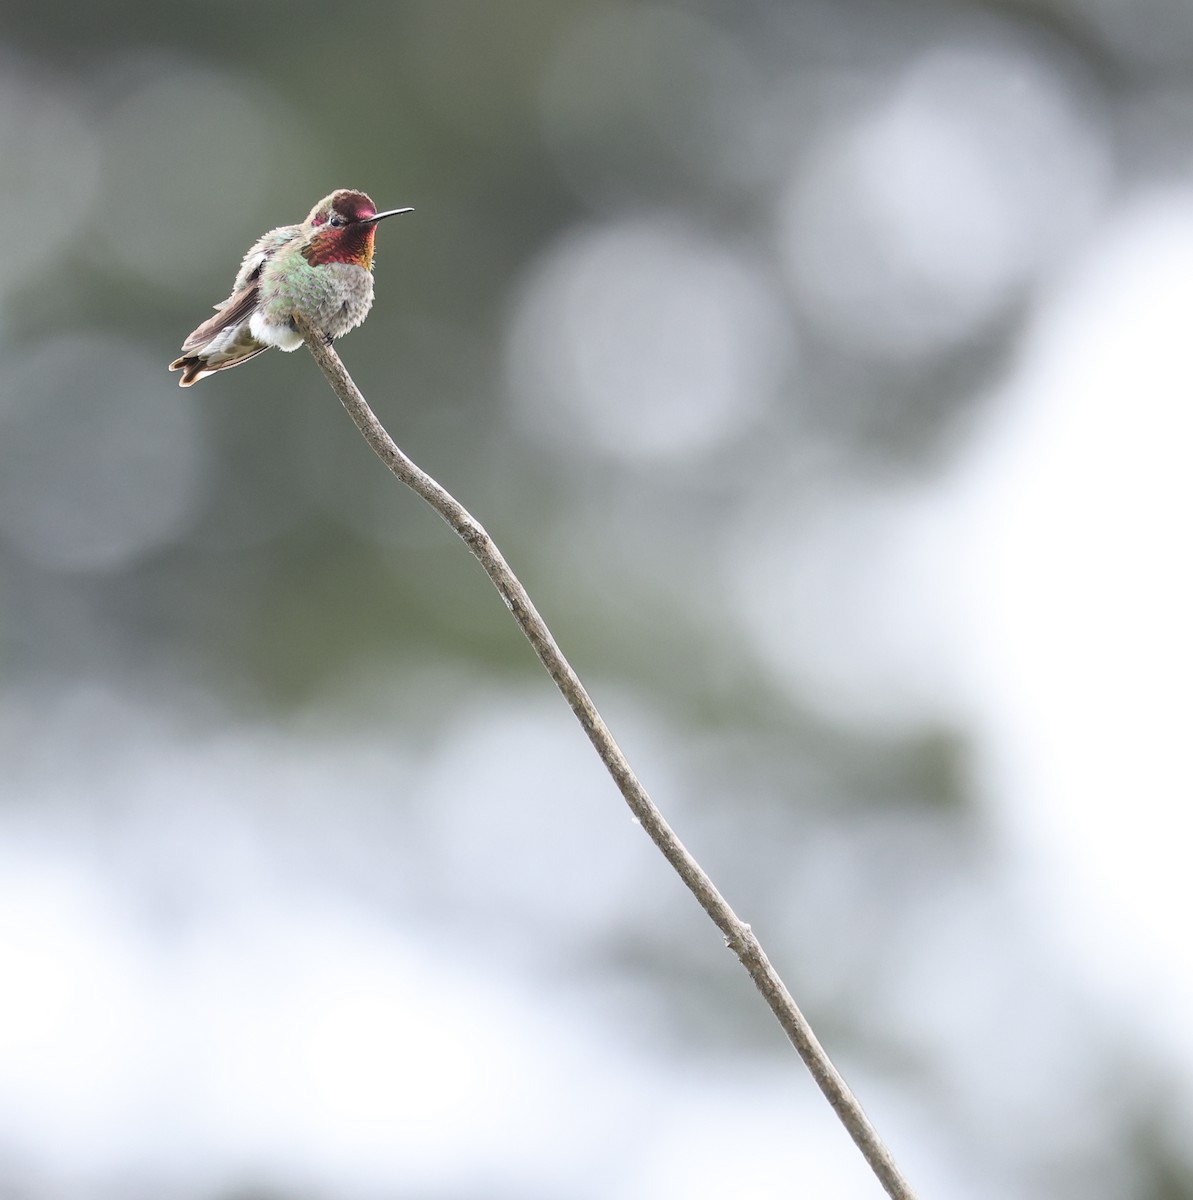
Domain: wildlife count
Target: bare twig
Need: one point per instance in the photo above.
(738, 935)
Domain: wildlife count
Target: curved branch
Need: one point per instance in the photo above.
(738, 935)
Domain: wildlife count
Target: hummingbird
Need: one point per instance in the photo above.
(322, 269)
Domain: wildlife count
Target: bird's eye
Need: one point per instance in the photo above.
(336, 220)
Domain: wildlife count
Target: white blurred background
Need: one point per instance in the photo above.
(823, 370)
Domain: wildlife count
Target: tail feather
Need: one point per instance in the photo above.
(196, 366)
(222, 341)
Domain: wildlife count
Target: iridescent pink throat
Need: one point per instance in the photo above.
(352, 244)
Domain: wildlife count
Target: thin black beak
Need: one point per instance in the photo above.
(393, 212)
